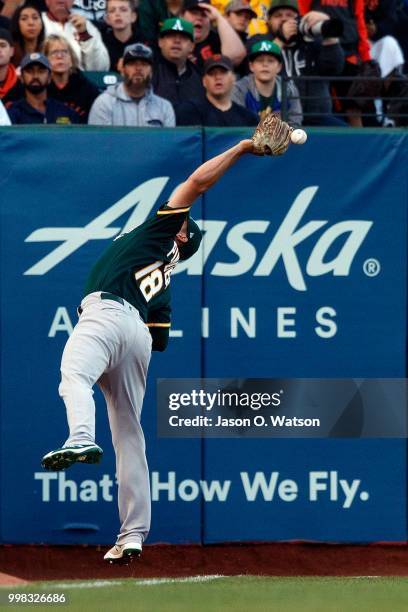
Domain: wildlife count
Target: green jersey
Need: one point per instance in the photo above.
(137, 266)
(270, 102)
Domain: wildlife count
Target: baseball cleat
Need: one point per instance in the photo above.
(123, 553)
(66, 456)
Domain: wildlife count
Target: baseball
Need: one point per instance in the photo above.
(298, 137)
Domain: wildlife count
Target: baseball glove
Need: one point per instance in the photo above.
(272, 136)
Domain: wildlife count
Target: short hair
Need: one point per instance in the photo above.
(133, 4)
(52, 38)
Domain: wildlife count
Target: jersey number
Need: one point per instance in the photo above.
(151, 284)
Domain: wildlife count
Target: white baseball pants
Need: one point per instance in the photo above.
(111, 346)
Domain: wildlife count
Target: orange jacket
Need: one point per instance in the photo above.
(9, 82)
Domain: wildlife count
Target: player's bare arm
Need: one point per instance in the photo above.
(271, 137)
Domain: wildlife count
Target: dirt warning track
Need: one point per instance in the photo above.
(28, 563)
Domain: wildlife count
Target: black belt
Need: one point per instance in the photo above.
(106, 296)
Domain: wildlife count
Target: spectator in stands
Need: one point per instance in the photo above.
(4, 118)
(381, 19)
(68, 84)
(133, 103)
(239, 15)
(152, 14)
(209, 42)
(261, 91)
(10, 86)
(27, 30)
(218, 109)
(82, 35)
(175, 77)
(358, 61)
(36, 106)
(260, 7)
(320, 57)
(122, 29)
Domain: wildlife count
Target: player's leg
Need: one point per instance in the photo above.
(124, 388)
(88, 352)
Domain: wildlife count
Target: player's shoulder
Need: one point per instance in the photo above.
(155, 220)
(166, 210)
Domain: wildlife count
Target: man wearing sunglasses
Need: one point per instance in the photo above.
(133, 103)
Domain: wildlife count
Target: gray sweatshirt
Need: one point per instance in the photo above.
(116, 107)
(246, 94)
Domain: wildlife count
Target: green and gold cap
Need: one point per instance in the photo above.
(176, 24)
(265, 46)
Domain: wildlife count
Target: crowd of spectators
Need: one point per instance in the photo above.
(204, 62)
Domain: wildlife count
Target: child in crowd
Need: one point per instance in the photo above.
(261, 91)
(122, 29)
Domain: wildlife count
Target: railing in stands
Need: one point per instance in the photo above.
(384, 110)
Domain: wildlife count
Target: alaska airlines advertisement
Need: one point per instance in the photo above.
(301, 273)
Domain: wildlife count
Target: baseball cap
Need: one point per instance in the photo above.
(137, 51)
(192, 4)
(35, 58)
(187, 249)
(265, 46)
(239, 5)
(291, 4)
(176, 24)
(6, 35)
(218, 60)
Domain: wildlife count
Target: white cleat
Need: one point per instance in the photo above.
(123, 553)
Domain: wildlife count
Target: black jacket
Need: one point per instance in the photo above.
(384, 15)
(79, 94)
(21, 112)
(115, 47)
(205, 113)
(176, 88)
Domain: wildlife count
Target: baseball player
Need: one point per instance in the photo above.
(124, 315)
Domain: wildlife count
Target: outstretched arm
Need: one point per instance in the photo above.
(208, 174)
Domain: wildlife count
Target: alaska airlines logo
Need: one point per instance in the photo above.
(342, 240)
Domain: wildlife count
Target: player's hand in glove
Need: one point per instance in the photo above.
(272, 136)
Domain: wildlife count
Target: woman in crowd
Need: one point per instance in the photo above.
(68, 84)
(27, 30)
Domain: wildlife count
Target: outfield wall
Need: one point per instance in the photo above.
(302, 274)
